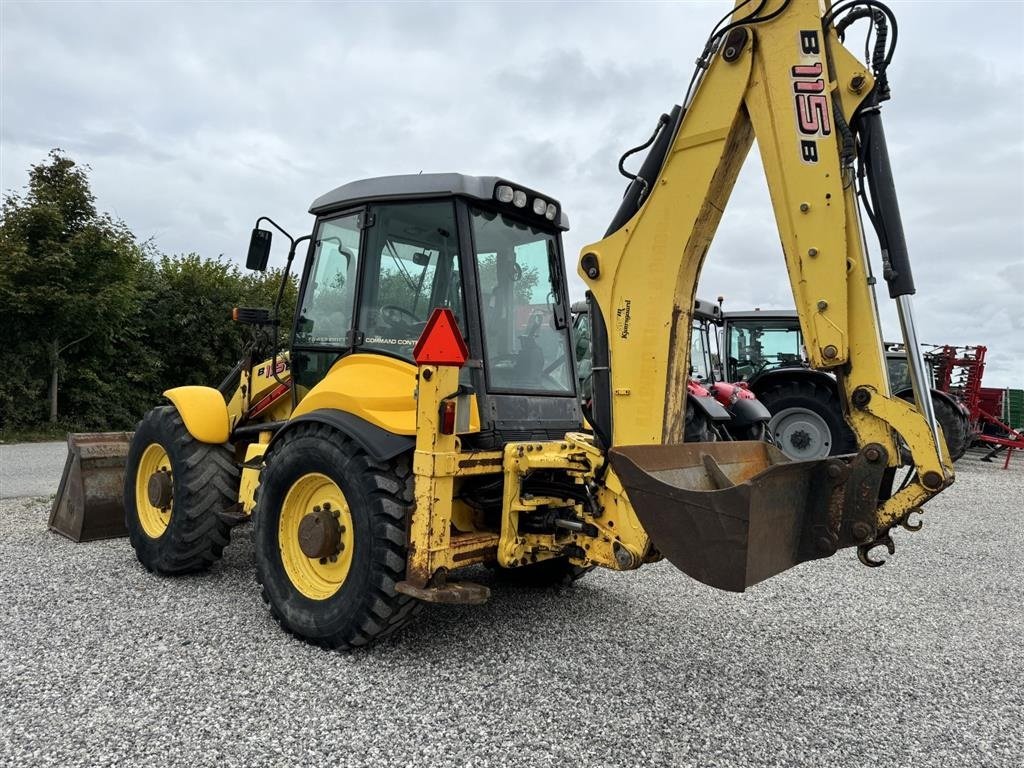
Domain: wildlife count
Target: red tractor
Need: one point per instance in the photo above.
(716, 409)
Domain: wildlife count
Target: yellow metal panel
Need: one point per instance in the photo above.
(430, 527)
(204, 412)
(376, 388)
(251, 475)
(649, 267)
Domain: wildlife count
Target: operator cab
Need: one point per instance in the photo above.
(386, 251)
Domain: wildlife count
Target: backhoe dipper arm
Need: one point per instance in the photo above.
(779, 74)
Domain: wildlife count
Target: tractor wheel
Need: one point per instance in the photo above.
(697, 426)
(807, 421)
(955, 426)
(757, 432)
(330, 536)
(175, 488)
(557, 572)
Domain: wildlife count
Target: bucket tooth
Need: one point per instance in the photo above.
(89, 504)
(733, 514)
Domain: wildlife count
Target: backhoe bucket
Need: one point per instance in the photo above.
(90, 499)
(732, 514)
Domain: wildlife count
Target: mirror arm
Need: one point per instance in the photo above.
(279, 228)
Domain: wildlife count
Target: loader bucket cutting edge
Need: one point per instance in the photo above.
(89, 504)
(733, 514)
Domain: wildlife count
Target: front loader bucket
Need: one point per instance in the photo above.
(732, 514)
(89, 504)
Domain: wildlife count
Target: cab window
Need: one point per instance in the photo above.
(700, 356)
(525, 323)
(412, 266)
(325, 311)
(756, 348)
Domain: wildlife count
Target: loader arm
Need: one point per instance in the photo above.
(779, 75)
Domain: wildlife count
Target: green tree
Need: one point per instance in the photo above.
(186, 318)
(68, 284)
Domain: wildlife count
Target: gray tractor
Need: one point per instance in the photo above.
(765, 349)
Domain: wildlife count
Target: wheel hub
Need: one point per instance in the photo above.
(160, 489)
(320, 534)
(801, 433)
(800, 439)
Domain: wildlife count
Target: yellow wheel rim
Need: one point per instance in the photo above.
(316, 578)
(154, 520)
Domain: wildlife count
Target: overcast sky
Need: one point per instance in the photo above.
(198, 117)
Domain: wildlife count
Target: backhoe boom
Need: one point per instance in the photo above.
(781, 76)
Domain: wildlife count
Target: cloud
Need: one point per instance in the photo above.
(197, 118)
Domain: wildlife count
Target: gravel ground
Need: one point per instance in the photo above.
(30, 469)
(917, 663)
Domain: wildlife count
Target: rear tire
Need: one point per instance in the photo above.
(308, 597)
(189, 536)
(807, 420)
(955, 426)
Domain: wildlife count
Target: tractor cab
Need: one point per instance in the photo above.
(386, 252)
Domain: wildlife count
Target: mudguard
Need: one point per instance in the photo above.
(711, 407)
(908, 394)
(379, 443)
(204, 412)
(746, 412)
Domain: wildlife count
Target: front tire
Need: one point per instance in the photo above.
(344, 596)
(177, 527)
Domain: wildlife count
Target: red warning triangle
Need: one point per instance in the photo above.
(440, 343)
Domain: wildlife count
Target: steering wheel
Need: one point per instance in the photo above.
(389, 311)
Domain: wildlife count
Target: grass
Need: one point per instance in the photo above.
(38, 434)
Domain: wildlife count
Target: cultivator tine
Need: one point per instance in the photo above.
(89, 504)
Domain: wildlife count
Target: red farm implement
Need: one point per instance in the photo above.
(958, 371)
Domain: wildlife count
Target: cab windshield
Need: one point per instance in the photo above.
(525, 323)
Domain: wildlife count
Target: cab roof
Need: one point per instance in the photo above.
(422, 185)
(763, 314)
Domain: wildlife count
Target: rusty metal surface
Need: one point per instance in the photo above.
(452, 592)
(319, 534)
(777, 514)
(89, 504)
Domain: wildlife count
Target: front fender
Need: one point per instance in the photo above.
(711, 407)
(908, 394)
(746, 412)
(204, 412)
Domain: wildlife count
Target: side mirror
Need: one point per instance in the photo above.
(259, 250)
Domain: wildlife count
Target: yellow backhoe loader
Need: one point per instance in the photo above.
(425, 416)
